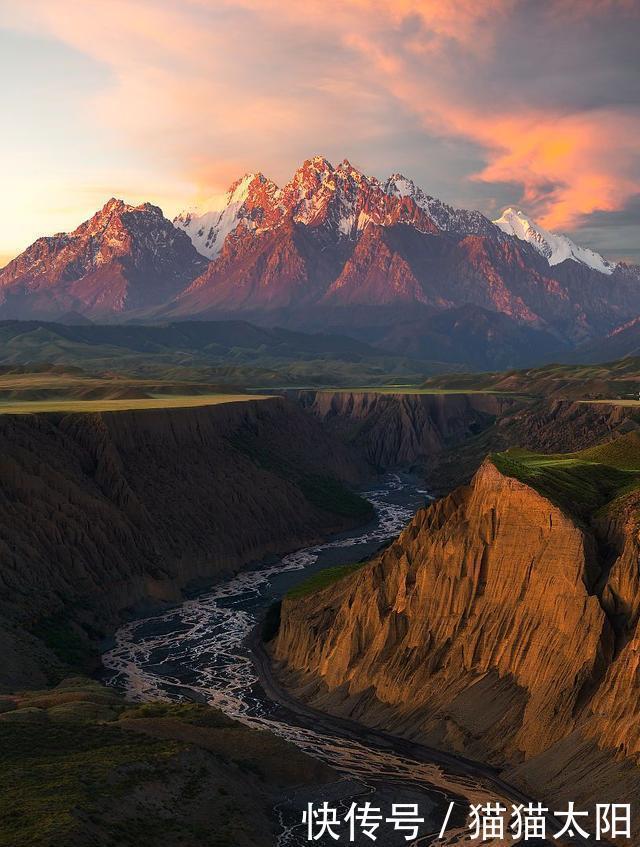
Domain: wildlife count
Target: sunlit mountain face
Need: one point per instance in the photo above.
(332, 249)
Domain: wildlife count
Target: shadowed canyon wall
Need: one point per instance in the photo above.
(100, 513)
(399, 430)
(547, 426)
(446, 436)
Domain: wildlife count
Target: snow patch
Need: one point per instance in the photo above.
(445, 217)
(208, 228)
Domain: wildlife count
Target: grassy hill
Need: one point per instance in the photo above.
(231, 352)
(82, 766)
(612, 380)
(580, 483)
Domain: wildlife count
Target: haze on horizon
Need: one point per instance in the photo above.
(485, 105)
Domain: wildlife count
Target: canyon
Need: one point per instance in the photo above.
(103, 513)
(445, 436)
(500, 625)
(402, 429)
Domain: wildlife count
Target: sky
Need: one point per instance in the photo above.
(484, 103)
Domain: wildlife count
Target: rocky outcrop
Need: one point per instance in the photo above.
(496, 626)
(102, 512)
(395, 430)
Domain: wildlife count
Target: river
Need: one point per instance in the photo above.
(197, 651)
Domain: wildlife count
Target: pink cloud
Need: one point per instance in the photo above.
(211, 89)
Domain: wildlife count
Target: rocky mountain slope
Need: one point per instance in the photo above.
(501, 624)
(123, 258)
(337, 239)
(622, 341)
(100, 513)
(445, 436)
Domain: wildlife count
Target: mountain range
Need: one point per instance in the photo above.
(334, 250)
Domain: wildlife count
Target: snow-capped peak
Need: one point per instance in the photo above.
(247, 199)
(343, 200)
(555, 248)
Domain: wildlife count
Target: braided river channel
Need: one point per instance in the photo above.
(201, 651)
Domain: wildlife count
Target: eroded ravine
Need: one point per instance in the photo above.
(197, 651)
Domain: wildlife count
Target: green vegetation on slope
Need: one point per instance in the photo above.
(324, 492)
(322, 579)
(64, 640)
(81, 766)
(580, 483)
(229, 352)
(331, 495)
(619, 380)
(58, 759)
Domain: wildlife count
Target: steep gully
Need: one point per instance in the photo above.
(108, 513)
(208, 650)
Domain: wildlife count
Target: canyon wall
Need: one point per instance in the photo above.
(400, 430)
(446, 436)
(496, 626)
(100, 513)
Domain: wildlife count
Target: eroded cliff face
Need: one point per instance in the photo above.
(494, 627)
(393, 430)
(446, 436)
(100, 513)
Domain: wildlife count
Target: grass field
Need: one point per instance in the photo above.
(408, 389)
(617, 381)
(580, 483)
(176, 401)
(615, 402)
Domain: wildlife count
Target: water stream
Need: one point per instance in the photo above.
(195, 652)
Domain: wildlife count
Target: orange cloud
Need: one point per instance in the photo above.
(569, 164)
(573, 153)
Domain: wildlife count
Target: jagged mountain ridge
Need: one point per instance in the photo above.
(124, 257)
(555, 248)
(332, 248)
(341, 197)
(336, 239)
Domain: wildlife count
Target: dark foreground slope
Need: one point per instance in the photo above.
(100, 513)
(80, 766)
(502, 624)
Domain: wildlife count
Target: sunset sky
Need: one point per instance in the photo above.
(484, 103)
